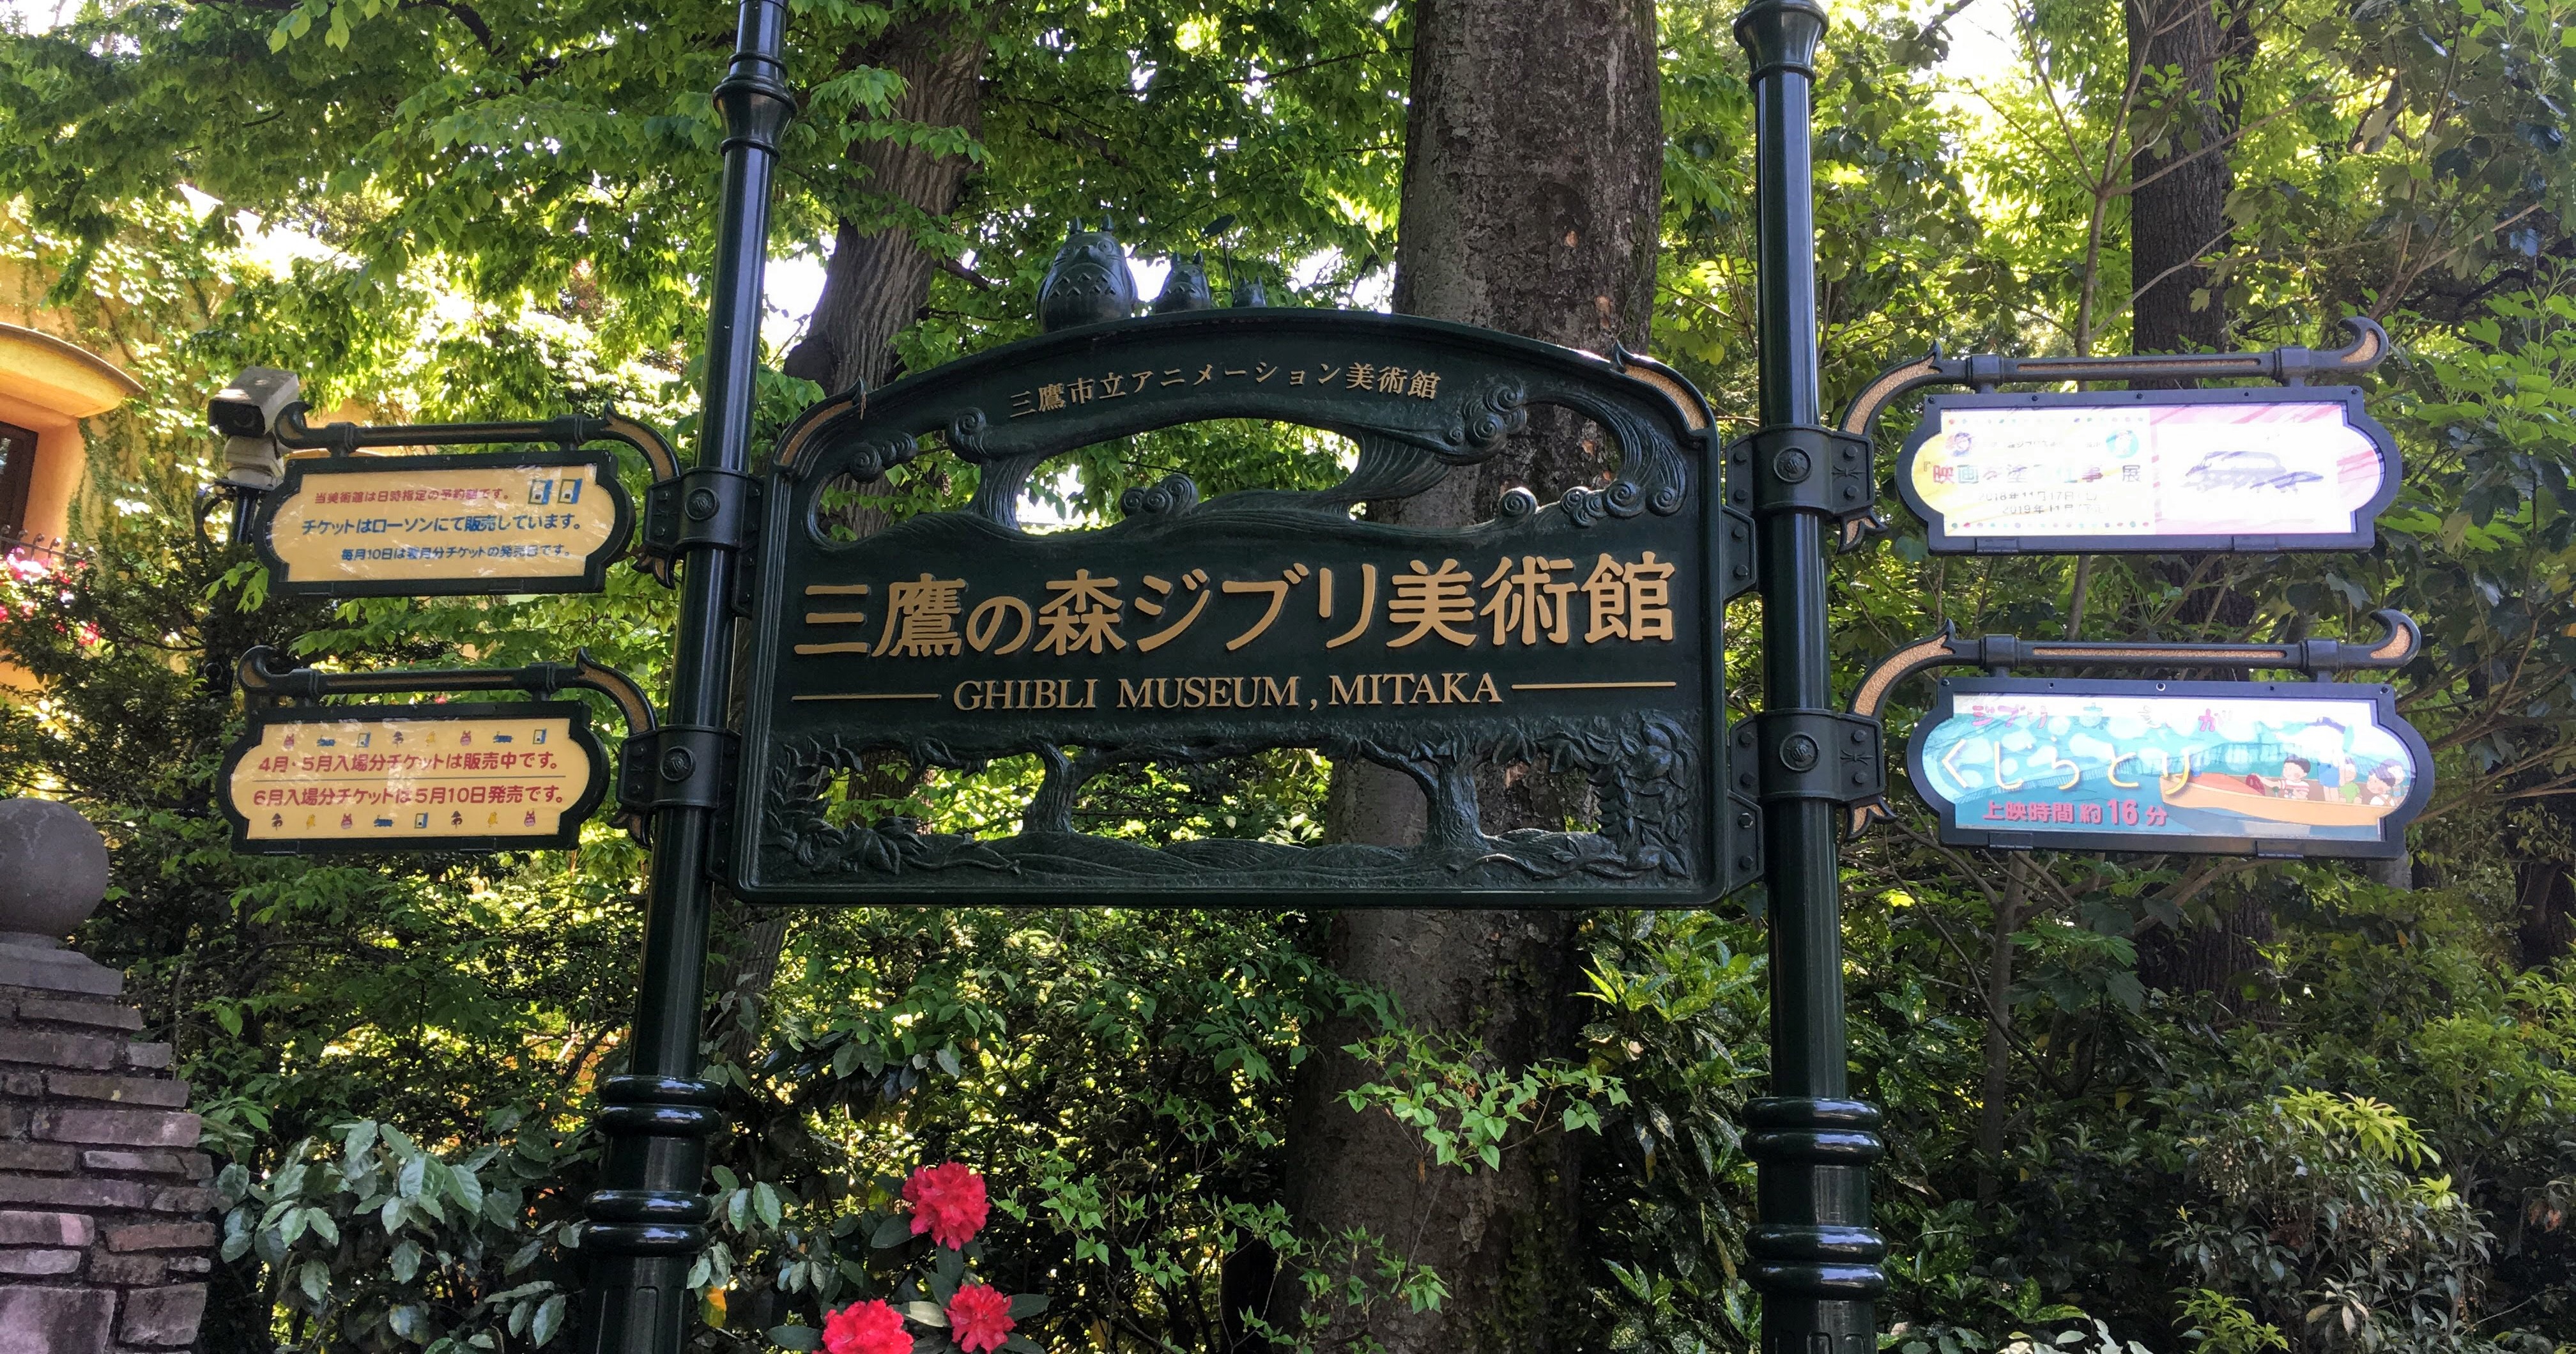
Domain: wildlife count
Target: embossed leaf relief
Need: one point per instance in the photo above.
(1645, 772)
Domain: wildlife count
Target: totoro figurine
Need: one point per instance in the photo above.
(1186, 288)
(1249, 293)
(1089, 282)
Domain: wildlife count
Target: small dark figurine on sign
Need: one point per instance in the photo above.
(1089, 282)
(1186, 288)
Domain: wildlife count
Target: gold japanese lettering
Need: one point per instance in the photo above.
(1530, 601)
(921, 618)
(1083, 615)
(1629, 601)
(835, 617)
(1290, 577)
(1195, 580)
(1433, 602)
(985, 624)
(1368, 609)
(1607, 590)
(1650, 612)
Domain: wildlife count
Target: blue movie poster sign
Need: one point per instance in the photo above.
(2217, 768)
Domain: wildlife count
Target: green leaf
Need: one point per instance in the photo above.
(927, 1313)
(548, 1321)
(1025, 1305)
(796, 1337)
(895, 1230)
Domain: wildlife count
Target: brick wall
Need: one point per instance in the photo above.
(105, 1222)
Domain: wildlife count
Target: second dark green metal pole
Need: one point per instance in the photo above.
(646, 1225)
(1814, 1257)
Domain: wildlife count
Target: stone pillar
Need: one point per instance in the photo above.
(105, 1238)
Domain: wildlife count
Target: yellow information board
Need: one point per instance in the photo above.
(491, 777)
(350, 526)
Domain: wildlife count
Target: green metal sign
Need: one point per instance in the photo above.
(1581, 636)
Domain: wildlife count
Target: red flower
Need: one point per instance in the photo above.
(869, 1327)
(979, 1317)
(947, 1202)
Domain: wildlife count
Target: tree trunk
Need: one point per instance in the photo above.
(2545, 902)
(878, 277)
(2189, 105)
(2221, 958)
(1531, 202)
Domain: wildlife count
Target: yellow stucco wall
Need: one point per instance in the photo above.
(48, 385)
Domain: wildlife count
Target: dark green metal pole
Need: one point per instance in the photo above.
(647, 1223)
(1814, 1256)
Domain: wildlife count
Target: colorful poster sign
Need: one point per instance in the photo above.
(503, 776)
(2216, 768)
(391, 526)
(2153, 470)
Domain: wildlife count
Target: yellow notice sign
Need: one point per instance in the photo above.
(414, 777)
(352, 526)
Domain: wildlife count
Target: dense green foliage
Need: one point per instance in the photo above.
(2355, 1128)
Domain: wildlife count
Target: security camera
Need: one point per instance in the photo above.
(252, 462)
(250, 405)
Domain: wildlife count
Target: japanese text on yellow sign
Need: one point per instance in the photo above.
(411, 524)
(403, 781)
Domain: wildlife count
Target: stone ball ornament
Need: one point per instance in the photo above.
(53, 869)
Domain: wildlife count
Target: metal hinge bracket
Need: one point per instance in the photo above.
(1802, 468)
(1811, 754)
(676, 766)
(704, 506)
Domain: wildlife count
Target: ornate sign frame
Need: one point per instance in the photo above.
(1946, 538)
(1643, 721)
(264, 717)
(303, 472)
(2390, 844)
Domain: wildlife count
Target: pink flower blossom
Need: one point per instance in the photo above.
(979, 1317)
(947, 1202)
(869, 1327)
